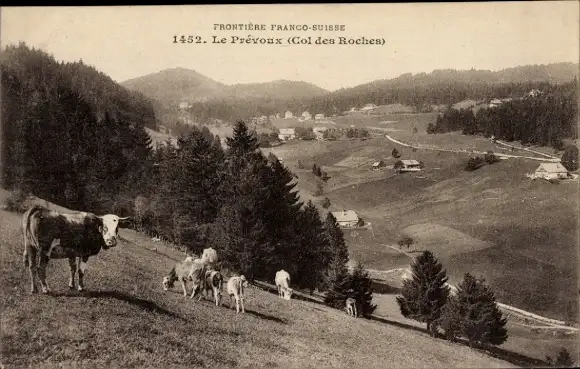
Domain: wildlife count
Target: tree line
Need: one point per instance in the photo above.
(545, 120)
(71, 135)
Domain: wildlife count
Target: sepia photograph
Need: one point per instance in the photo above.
(290, 186)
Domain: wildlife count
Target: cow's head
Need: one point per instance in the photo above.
(244, 281)
(109, 228)
(288, 293)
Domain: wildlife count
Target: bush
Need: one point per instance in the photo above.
(474, 163)
(490, 158)
(554, 181)
(319, 190)
(15, 202)
(563, 360)
(395, 154)
(326, 203)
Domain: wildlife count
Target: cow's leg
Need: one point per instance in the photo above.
(32, 267)
(72, 263)
(237, 304)
(242, 303)
(42, 265)
(183, 286)
(81, 269)
(193, 290)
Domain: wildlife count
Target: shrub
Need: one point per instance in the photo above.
(326, 203)
(563, 360)
(554, 181)
(474, 163)
(15, 201)
(490, 157)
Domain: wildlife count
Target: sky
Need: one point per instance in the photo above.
(132, 41)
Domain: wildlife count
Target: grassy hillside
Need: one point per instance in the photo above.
(126, 320)
(279, 89)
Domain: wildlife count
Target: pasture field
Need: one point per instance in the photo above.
(493, 222)
(126, 320)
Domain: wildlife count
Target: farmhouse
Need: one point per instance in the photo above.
(306, 115)
(369, 107)
(551, 171)
(319, 132)
(288, 114)
(319, 116)
(184, 105)
(346, 218)
(378, 165)
(534, 93)
(408, 166)
(494, 103)
(287, 134)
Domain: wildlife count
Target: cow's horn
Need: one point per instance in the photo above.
(125, 218)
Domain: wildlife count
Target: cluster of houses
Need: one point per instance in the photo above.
(493, 103)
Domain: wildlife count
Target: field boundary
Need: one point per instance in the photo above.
(421, 147)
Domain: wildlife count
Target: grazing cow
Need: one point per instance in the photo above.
(214, 282)
(283, 283)
(235, 289)
(186, 270)
(49, 235)
(351, 307)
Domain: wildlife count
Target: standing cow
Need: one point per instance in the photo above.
(283, 283)
(236, 286)
(187, 270)
(351, 307)
(51, 235)
(214, 282)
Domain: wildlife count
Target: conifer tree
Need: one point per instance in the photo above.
(562, 360)
(362, 290)
(312, 254)
(337, 279)
(423, 296)
(477, 314)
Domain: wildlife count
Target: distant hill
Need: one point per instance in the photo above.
(279, 89)
(172, 86)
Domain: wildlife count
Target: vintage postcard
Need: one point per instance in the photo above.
(291, 186)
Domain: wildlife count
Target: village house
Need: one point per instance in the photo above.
(549, 171)
(288, 114)
(407, 166)
(377, 165)
(495, 103)
(306, 115)
(534, 93)
(287, 134)
(346, 218)
(184, 105)
(319, 116)
(368, 107)
(319, 132)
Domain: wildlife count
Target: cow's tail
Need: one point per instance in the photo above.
(30, 236)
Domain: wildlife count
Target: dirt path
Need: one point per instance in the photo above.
(499, 142)
(468, 151)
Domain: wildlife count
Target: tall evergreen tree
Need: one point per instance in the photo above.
(337, 279)
(477, 314)
(423, 296)
(570, 158)
(312, 254)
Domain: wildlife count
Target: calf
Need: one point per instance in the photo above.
(213, 282)
(283, 283)
(351, 307)
(235, 289)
